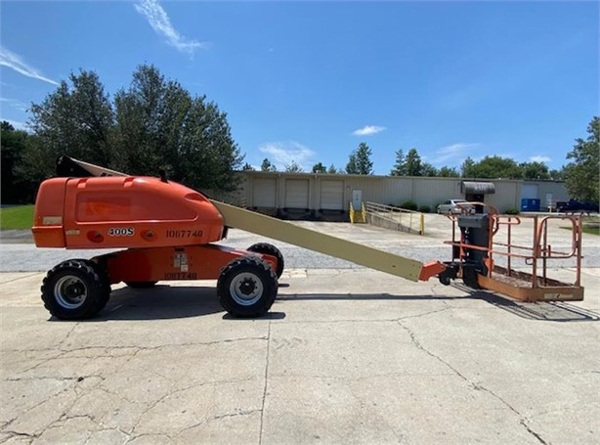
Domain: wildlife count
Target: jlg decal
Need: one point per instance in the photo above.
(121, 231)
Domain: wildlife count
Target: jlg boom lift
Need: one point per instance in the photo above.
(168, 232)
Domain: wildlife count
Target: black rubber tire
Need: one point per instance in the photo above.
(260, 270)
(470, 277)
(269, 249)
(90, 275)
(141, 284)
(444, 279)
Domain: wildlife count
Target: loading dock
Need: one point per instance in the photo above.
(296, 193)
(332, 195)
(264, 192)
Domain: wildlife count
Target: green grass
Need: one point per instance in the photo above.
(20, 217)
(594, 230)
(591, 225)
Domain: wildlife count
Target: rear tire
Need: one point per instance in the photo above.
(141, 284)
(269, 249)
(75, 290)
(247, 287)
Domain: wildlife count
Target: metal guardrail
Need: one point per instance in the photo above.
(406, 220)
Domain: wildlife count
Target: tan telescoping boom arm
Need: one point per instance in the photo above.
(253, 222)
(319, 242)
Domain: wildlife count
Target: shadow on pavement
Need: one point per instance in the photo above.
(558, 311)
(351, 297)
(543, 311)
(165, 302)
(160, 303)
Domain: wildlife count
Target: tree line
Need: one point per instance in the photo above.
(154, 124)
(411, 164)
(581, 174)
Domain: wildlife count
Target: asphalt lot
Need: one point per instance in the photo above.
(347, 355)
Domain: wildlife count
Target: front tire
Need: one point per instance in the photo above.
(247, 287)
(269, 249)
(75, 290)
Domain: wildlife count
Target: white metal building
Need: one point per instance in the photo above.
(279, 192)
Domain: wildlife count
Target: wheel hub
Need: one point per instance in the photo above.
(70, 292)
(246, 288)
(74, 290)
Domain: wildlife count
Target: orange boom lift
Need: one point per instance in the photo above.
(169, 232)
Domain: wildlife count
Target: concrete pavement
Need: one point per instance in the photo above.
(345, 356)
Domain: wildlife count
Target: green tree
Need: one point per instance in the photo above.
(352, 166)
(294, 167)
(558, 174)
(496, 167)
(359, 162)
(468, 168)
(75, 120)
(534, 170)
(428, 170)
(412, 163)
(399, 168)
(160, 126)
(448, 172)
(156, 124)
(319, 168)
(334, 170)
(266, 166)
(17, 186)
(247, 168)
(150, 132)
(582, 174)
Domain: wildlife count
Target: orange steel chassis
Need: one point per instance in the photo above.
(198, 262)
(534, 286)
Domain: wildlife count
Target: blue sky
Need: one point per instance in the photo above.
(309, 81)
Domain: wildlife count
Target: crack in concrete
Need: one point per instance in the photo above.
(154, 404)
(68, 334)
(105, 429)
(63, 416)
(264, 396)
(236, 414)
(522, 418)
(358, 379)
(138, 347)
(223, 416)
(17, 434)
(380, 320)
(150, 434)
(49, 377)
(20, 278)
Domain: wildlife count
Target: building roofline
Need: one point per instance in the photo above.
(382, 177)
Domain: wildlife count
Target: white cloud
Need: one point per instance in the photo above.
(540, 158)
(14, 62)
(284, 153)
(456, 152)
(368, 130)
(161, 24)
